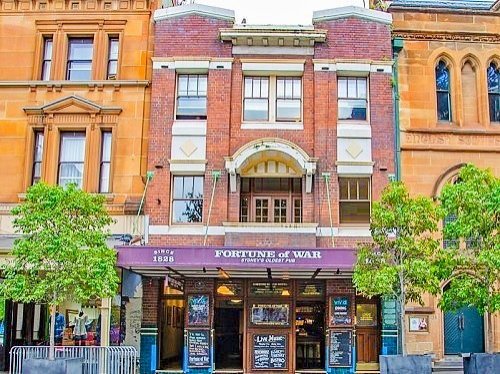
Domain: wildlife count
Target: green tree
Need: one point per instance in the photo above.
(470, 263)
(62, 252)
(399, 263)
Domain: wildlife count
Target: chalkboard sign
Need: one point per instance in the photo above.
(198, 348)
(270, 352)
(340, 348)
(341, 310)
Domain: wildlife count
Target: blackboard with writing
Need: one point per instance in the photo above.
(269, 352)
(341, 310)
(340, 348)
(198, 348)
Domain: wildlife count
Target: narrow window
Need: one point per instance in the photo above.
(256, 99)
(37, 157)
(105, 167)
(355, 195)
(187, 201)
(80, 52)
(352, 98)
(447, 242)
(71, 158)
(47, 59)
(288, 98)
(191, 96)
(443, 92)
(112, 58)
(493, 74)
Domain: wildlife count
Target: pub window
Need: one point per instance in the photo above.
(354, 200)
(105, 166)
(37, 157)
(352, 98)
(71, 158)
(277, 200)
(112, 58)
(288, 98)
(187, 201)
(443, 93)
(493, 74)
(256, 99)
(80, 52)
(191, 96)
(47, 58)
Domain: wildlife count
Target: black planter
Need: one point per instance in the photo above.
(482, 363)
(398, 364)
(57, 366)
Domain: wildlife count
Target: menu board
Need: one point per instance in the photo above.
(198, 348)
(270, 352)
(340, 348)
(340, 310)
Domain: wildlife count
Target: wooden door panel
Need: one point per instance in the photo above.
(367, 344)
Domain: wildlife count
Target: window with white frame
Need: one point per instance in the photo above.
(191, 96)
(71, 158)
(112, 58)
(105, 166)
(47, 58)
(288, 98)
(37, 157)
(354, 202)
(187, 199)
(352, 98)
(256, 99)
(80, 51)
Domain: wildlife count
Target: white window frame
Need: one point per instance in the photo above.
(367, 98)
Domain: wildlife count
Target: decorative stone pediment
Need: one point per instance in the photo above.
(72, 104)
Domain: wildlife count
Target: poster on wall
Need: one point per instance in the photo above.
(340, 348)
(419, 323)
(341, 310)
(270, 352)
(270, 314)
(198, 348)
(198, 310)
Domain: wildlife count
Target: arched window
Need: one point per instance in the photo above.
(443, 92)
(493, 74)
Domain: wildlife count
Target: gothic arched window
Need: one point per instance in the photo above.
(443, 93)
(493, 74)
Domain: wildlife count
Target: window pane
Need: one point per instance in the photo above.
(47, 54)
(202, 85)
(264, 88)
(361, 82)
(352, 109)
(297, 185)
(351, 88)
(443, 106)
(493, 74)
(113, 49)
(198, 187)
(187, 192)
(71, 173)
(187, 211)
(72, 147)
(80, 49)
(494, 100)
(245, 185)
(297, 211)
(353, 189)
(344, 188)
(248, 87)
(178, 187)
(364, 185)
(288, 110)
(104, 182)
(442, 77)
(106, 146)
(256, 110)
(342, 87)
(38, 146)
(112, 68)
(297, 88)
(191, 107)
(182, 85)
(244, 209)
(288, 88)
(354, 212)
(79, 71)
(256, 87)
(280, 88)
(192, 85)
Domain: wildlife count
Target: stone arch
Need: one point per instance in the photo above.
(444, 178)
(280, 151)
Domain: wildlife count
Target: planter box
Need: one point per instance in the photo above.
(410, 364)
(481, 363)
(57, 366)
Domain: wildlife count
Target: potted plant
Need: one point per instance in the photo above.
(399, 262)
(60, 255)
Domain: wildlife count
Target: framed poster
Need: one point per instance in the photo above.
(270, 315)
(270, 352)
(418, 324)
(198, 348)
(198, 310)
(179, 317)
(340, 348)
(341, 310)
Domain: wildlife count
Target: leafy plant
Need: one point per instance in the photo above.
(62, 253)
(399, 263)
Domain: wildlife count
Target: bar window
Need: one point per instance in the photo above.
(47, 58)
(191, 96)
(113, 58)
(37, 157)
(187, 202)
(355, 195)
(352, 98)
(71, 158)
(288, 99)
(256, 99)
(105, 167)
(80, 52)
(493, 74)
(443, 94)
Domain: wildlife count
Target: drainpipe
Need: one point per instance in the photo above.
(215, 178)
(149, 176)
(397, 46)
(326, 177)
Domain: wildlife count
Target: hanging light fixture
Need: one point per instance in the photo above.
(225, 290)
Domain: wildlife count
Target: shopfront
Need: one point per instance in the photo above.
(258, 310)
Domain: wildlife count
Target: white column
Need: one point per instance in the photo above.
(105, 321)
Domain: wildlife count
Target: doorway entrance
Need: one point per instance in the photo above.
(310, 333)
(229, 334)
(463, 331)
(367, 332)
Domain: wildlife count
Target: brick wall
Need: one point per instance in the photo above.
(150, 301)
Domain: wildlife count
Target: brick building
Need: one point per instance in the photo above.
(268, 144)
(449, 100)
(74, 107)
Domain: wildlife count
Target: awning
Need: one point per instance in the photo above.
(248, 262)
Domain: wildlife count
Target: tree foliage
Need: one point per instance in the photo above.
(471, 260)
(62, 253)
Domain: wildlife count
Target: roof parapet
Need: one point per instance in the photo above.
(194, 9)
(352, 11)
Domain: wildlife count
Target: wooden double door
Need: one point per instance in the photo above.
(367, 330)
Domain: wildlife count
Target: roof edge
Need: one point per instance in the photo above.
(194, 9)
(352, 11)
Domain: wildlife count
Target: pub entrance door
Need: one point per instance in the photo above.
(172, 332)
(229, 334)
(310, 335)
(367, 332)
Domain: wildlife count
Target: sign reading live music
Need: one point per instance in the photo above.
(235, 256)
